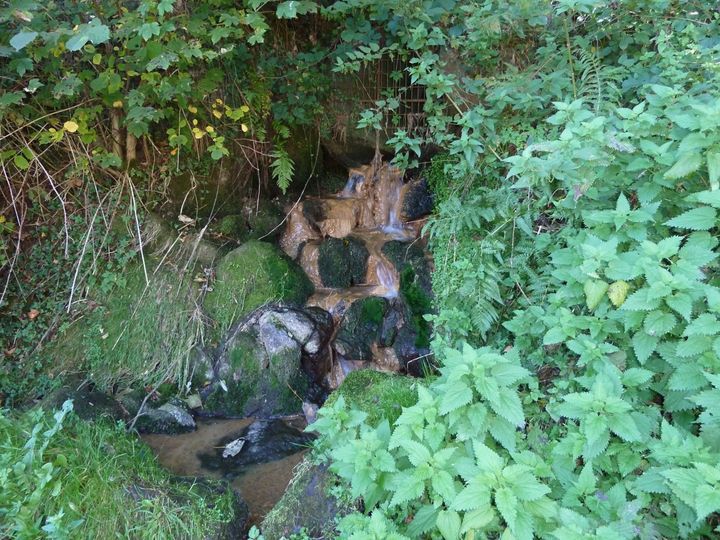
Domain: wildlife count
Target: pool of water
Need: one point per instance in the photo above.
(261, 485)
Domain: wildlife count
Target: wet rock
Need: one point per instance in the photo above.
(410, 255)
(265, 440)
(418, 200)
(342, 263)
(259, 368)
(360, 328)
(170, 418)
(252, 275)
(307, 503)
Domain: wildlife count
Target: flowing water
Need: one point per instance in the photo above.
(368, 209)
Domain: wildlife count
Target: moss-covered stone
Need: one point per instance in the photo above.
(418, 201)
(259, 219)
(342, 262)
(250, 276)
(138, 333)
(410, 254)
(360, 328)
(307, 503)
(380, 395)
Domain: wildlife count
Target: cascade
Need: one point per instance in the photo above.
(339, 242)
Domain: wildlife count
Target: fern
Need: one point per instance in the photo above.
(282, 168)
(599, 84)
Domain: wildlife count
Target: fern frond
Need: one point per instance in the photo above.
(282, 168)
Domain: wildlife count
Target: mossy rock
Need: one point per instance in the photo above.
(360, 328)
(137, 333)
(379, 394)
(410, 254)
(307, 503)
(258, 220)
(342, 262)
(418, 200)
(252, 275)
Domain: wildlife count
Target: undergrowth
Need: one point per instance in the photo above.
(64, 478)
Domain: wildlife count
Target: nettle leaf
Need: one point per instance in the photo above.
(644, 345)
(507, 504)
(688, 378)
(475, 495)
(688, 162)
(624, 427)
(417, 453)
(448, 523)
(617, 292)
(707, 500)
(636, 376)
(659, 323)
(697, 219)
(705, 325)
(456, 394)
(640, 301)
(681, 303)
(507, 405)
(595, 290)
(423, 520)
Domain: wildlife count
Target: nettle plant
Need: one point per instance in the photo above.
(621, 439)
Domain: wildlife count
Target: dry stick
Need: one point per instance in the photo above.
(312, 172)
(137, 226)
(62, 203)
(21, 222)
(78, 264)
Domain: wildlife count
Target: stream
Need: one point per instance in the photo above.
(340, 241)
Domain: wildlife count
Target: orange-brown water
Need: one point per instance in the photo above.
(261, 485)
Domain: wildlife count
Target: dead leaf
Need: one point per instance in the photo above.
(33, 313)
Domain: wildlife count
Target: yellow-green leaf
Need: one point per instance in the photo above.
(617, 292)
(595, 289)
(70, 126)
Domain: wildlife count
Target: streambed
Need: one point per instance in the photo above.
(261, 482)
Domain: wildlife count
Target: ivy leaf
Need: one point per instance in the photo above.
(594, 289)
(697, 219)
(688, 163)
(22, 39)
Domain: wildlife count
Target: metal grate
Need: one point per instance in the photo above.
(388, 78)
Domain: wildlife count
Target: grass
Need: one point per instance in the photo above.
(380, 395)
(68, 478)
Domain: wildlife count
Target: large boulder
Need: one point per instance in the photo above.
(258, 369)
(248, 277)
(342, 262)
(137, 330)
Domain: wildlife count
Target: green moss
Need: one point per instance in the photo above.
(139, 333)
(380, 395)
(373, 310)
(419, 303)
(342, 262)
(233, 226)
(250, 276)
